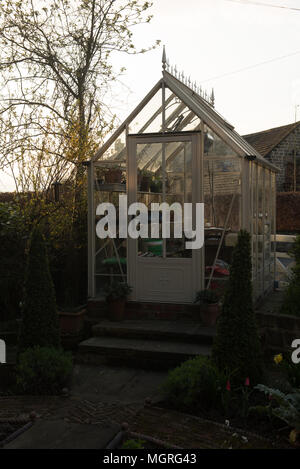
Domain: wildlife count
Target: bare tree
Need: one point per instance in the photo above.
(55, 65)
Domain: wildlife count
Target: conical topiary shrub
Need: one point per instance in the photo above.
(236, 348)
(40, 324)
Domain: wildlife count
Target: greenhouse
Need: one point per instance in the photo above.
(175, 147)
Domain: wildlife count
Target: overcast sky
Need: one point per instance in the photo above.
(213, 38)
(210, 38)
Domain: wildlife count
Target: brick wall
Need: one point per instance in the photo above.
(283, 157)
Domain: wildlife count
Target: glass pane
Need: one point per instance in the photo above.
(149, 190)
(110, 257)
(254, 220)
(117, 150)
(260, 229)
(179, 117)
(164, 174)
(178, 189)
(222, 205)
(149, 118)
(267, 231)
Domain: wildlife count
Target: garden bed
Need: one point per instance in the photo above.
(182, 430)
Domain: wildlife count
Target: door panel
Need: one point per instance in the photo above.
(164, 168)
(165, 280)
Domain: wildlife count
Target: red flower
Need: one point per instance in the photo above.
(228, 387)
(247, 381)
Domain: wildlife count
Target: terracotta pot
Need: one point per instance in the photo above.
(210, 314)
(113, 176)
(116, 309)
(71, 322)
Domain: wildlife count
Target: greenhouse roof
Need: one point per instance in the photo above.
(200, 105)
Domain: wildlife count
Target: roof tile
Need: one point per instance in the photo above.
(265, 141)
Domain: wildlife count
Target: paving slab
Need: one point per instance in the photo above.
(140, 352)
(110, 384)
(59, 434)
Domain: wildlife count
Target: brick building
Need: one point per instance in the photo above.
(281, 146)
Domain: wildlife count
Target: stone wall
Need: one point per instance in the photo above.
(278, 331)
(282, 156)
(288, 212)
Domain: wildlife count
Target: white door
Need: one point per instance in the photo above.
(164, 168)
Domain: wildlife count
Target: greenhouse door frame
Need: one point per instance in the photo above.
(165, 279)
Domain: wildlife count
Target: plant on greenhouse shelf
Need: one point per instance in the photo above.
(116, 295)
(113, 175)
(156, 185)
(144, 180)
(209, 306)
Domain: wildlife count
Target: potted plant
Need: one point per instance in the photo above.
(209, 303)
(116, 295)
(71, 319)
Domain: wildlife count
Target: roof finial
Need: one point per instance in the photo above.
(164, 59)
(212, 98)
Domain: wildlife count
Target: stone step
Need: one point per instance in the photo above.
(138, 352)
(182, 331)
(97, 308)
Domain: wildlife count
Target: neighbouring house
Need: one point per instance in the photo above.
(175, 147)
(281, 146)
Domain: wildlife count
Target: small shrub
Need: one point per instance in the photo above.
(43, 370)
(195, 385)
(133, 444)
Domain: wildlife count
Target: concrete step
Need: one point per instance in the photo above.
(138, 352)
(179, 331)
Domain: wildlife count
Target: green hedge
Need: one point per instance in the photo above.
(40, 319)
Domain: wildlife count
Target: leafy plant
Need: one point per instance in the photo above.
(236, 347)
(40, 319)
(196, 384)
(291, 370)
(117, 290)
(206, 297)
(133, 444)
(292, 295)
(43, 370)
(287, 406)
